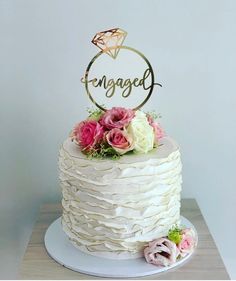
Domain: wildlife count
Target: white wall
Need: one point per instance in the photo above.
(44, 48)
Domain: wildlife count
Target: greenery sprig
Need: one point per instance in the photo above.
(103, 151)
(153, 114)
(174, 234)
(94, 113)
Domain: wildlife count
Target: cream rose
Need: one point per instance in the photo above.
(141, 132)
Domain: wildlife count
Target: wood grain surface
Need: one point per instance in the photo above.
(206, 263)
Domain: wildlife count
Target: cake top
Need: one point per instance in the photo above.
(127, 76)
(116, 132)
(166, 147)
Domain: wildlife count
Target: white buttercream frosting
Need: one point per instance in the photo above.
(113, 208)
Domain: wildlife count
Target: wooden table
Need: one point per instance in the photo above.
(206, 262)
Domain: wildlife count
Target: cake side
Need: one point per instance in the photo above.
(113, 208)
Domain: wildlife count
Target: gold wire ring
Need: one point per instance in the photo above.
(126, 48)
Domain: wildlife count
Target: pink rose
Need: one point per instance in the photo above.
(120, 140)
(161, 252)
(117, 117)
(158, 131)
(88, 134)
(187, 243)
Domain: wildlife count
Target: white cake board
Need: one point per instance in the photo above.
(62, 250)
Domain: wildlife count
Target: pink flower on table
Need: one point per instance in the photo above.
(161, 252)
(117, 117)
(158, 131)
(88, 134)
(120, 140)
(187, 243)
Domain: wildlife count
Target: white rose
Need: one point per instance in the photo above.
(141, 132)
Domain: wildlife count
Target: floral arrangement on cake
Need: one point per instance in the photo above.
(165, 251)
(116, 132)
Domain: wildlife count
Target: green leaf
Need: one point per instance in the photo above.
(174, 235)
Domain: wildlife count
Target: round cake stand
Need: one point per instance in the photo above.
(62, 250)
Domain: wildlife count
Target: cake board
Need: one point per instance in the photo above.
(62, 251)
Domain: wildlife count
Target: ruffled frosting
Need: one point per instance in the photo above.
(113, 208)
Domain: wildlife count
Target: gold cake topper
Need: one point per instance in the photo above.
(110, 42)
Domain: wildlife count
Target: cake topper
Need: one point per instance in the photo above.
(110, 42)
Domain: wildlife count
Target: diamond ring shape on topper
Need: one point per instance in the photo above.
(111, 42)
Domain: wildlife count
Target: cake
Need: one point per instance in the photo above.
(114, 207)
(120, 173)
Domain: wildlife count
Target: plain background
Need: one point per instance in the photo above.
(44, 48)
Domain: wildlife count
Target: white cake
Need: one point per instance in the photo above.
(113, 208)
